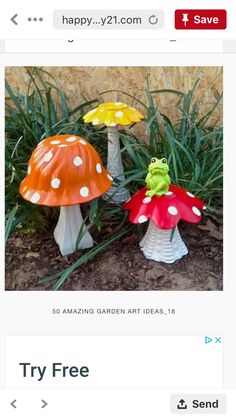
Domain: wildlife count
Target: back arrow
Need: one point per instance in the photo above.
(13, 404)
(13, 19)
(44, 404)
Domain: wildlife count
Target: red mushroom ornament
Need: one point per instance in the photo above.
(164, 205)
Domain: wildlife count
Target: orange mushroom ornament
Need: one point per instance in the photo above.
(66, 171)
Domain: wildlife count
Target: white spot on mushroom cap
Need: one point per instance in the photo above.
(62, 145)
(71, 139)
(204, 207)
(35, 197)
(77, 161)
(119, 114)
(169, 193)
(55, 142)
(95, 121)
(196, 211)
(99, 168)
(112, 124)
(142, 219)
(55, 183)
(29, 170)
(48, 156)
(82, 142)
(84, 191)
(172, 210)
(118, 103)
(190, 194)
(109, 176)
(147, 200)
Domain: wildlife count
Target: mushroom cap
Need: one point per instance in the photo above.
(166, 210)
(112, 114)
(64, 170)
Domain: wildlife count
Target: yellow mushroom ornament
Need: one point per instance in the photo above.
(112, 115)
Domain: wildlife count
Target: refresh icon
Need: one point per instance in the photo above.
(153, 19)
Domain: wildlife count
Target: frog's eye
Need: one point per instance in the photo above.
(164, 161)
(153, 160)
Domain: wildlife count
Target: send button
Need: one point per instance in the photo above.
(198, 403)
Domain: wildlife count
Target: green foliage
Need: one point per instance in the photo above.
(40, 112)
(192, 145)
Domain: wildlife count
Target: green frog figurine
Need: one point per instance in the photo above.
(157, 179)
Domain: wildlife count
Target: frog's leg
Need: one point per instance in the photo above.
(157, 190)
(160, 187)
(150, 193)
(167, 178)
(149, 183)
(147, 177)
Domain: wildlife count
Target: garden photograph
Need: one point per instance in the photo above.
(114, 178)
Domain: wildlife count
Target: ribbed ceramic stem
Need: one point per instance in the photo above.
(68, 228)
(115, 166)
(156, 245)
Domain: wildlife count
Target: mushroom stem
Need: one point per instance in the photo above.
(156, 244)
(68, 228)
(115, 166)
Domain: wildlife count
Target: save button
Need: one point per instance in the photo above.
(200, 19)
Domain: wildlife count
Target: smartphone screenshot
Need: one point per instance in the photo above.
(117, 285)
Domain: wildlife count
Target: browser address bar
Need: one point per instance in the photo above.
(108, 19)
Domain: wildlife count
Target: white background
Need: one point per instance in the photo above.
(197, 313)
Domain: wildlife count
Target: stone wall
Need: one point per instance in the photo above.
(90, 82)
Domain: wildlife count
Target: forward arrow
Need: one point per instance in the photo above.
(44, 404)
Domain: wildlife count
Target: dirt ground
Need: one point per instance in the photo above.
(31, 257)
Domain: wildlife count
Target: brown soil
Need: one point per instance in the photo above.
(30, 257)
